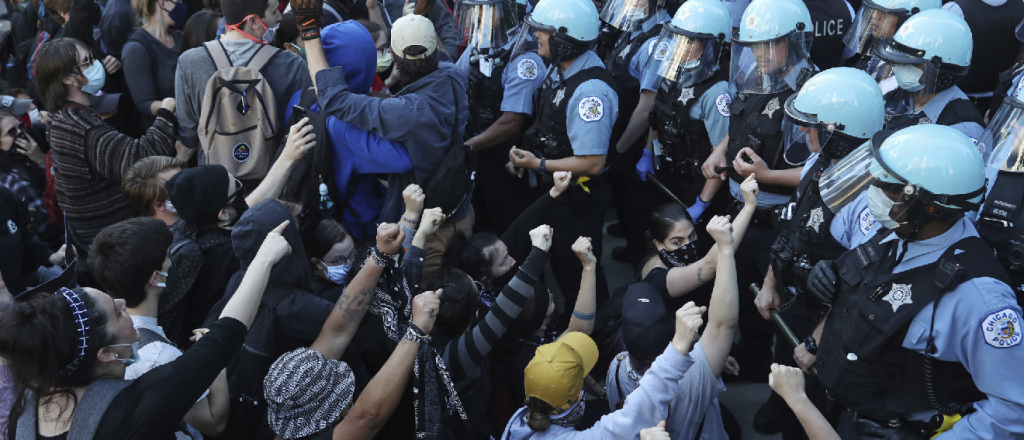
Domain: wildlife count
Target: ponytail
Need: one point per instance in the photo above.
(539, 414)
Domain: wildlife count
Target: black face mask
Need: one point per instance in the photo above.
(684, 256)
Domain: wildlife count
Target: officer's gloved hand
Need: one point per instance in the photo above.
(697, 209)
(822, 281)
(645, 165)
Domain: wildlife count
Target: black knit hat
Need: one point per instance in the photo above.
(647, 327)
(199, 193)
(306, 392)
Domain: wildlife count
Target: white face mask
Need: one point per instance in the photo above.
(33, 115)
(163, 284)
(880, 205)
(337, 273)
(908, 77)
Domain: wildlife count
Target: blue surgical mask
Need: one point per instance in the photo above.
(690, 64)
(880, 206)
(337, 273)
(97, 77)
(135, 358)
(908, 77)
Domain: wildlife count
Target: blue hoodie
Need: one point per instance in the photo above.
(356, 153)
(428, 117)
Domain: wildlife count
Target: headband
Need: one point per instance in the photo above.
(81, 316)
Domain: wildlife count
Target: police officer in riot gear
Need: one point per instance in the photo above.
(641, 22)
(575, 109)
(770, 57)
(875, 22)
(930, 54)
(503, 72)
(690, 113)
(1000, 220)
(991, 23)
(923, 324)
(835, 112)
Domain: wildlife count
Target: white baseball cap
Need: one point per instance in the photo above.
(413, 30)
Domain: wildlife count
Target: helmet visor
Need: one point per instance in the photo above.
(684, 57)
(626, 15)
(804, 130)
(873, 23)
(1002, 144)
(768, 66)
(487, 25)
(881, 71)
(859, 171)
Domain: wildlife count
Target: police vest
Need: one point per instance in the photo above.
(548, 137)
(756, 122)
(995, 48)
(1001, 225)
(625, 85)
(682, 139)
(955, 112)
(861, 359)
(485, 93)
(804, 239)
(831, 22)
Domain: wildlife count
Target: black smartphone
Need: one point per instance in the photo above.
(299, 110)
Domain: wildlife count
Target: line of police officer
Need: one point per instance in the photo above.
(862, 239)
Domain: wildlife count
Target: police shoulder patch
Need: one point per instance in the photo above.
(591, 109)
(865, 221)
(527, 69)
(722, 103)
(1000, 329)
(662, 51)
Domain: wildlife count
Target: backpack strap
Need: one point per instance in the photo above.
(262, 57)
(217, 53)
(149, 336)
(88, 412)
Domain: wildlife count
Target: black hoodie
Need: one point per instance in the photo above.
(289, 316)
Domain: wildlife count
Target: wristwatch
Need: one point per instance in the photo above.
(810, 345)
(542, 170)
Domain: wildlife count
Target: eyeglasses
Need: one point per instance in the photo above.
(238, 190)
(89, 60)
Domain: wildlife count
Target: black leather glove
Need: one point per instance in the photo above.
(822, 281)
(309, 16)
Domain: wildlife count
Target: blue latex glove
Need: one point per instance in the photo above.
(697, 208)
(646, 165)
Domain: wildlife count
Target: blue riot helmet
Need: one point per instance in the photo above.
(878, 20)
(487, 25)
(628, 15)
(930, 52)
(834, 112)
(573, 27)
(771, 49)
(689, 48)
(927, 172)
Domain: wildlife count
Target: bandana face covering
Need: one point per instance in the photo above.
(571, 416)
(684, 256)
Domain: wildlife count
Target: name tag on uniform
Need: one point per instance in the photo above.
(486, 66)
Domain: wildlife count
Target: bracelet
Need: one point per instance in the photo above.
(415, 222)
(382, 259)
(414, 334)
(310, 34)
(584, 316)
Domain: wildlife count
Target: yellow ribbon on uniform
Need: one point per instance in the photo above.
(581, 180)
